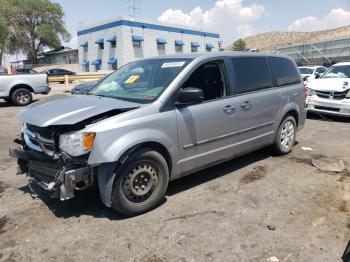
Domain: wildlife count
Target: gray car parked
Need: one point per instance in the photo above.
(158, 119)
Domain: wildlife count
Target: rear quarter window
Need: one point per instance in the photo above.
(252, 74)
(283, 71)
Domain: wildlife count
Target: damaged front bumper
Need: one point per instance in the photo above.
(328, 106)
(59, 175)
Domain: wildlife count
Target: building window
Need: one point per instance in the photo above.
(194, 49)
(113, 44)
(101, 46)
(136, 44)
(179, 48)
(161, 46)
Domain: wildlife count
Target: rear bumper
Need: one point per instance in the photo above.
(56, 176)
(328, 106)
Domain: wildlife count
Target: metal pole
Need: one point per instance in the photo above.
(319, 51)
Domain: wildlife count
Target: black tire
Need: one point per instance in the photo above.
(21, 97)
(285, 137)
(144, 172)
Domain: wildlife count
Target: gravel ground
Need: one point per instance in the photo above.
(252, 208)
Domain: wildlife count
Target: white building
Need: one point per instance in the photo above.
(113, 43)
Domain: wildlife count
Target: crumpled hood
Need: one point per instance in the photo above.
(329, 84)
(69, 110)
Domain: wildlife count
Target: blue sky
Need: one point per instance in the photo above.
(231, 18)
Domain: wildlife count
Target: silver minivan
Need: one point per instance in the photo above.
(158, 119)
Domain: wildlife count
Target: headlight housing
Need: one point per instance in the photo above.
(76, 144)
(310, 92)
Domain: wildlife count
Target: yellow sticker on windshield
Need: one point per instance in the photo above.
(132, 79)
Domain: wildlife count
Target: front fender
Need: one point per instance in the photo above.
(107, 153)
(113, 156)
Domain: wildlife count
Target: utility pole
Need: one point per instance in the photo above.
(134, 8)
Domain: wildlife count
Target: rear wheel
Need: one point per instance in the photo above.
(141, 183)
(285, 137)
(21, 97)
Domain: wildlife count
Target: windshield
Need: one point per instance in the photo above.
(337, 72)
(306, 70)
(140, 81)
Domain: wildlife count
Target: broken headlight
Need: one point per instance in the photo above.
(76, 144)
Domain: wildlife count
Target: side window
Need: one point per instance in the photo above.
(210, 78)
(283, 71)
(252, 74)
(320, 70)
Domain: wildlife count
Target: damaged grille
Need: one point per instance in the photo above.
(45, 172)
(331, 94)
(39, 139)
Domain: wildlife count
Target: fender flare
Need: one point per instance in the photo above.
(288, 108)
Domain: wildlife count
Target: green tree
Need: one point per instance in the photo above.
(239, 45)
(3, 38)
(5, 16)
(37, 24)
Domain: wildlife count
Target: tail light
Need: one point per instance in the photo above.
(305, 92)
(47, 80)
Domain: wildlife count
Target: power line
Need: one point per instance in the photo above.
(134, 8)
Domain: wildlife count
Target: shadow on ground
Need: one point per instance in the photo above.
(330, 118)
(88, 202)
(5, 104)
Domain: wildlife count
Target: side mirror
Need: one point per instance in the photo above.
(190, 96)
(317, 75)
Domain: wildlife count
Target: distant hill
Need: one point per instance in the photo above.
(269, 41)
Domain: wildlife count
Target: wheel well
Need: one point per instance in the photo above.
(294, 114)
(21, 86)
(157, 147)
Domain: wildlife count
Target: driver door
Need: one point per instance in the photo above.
(204, 129)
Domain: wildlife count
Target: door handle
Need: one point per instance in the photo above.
(229, 109)
(246, 105)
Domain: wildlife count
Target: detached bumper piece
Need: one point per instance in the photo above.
(60, 177)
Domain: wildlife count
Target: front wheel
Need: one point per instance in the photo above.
(285, 137)
(141, 183)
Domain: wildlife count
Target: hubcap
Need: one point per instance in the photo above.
(287, 135)
(140, 183)
(22, 97)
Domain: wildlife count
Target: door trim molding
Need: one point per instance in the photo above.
(206, 141)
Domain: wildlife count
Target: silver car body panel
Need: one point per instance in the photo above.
(194, 136)
(69, 110)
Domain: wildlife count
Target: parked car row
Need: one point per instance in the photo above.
(155, 120)
(49, 72)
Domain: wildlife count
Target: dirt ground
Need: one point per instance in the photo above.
(254, 208)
